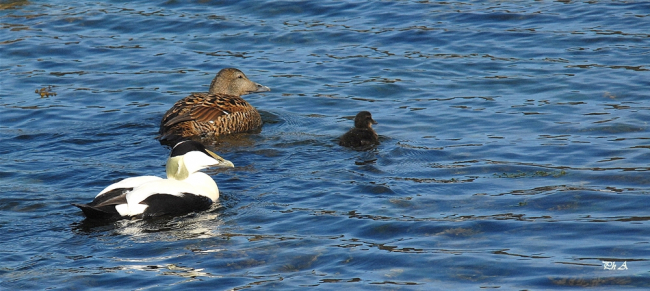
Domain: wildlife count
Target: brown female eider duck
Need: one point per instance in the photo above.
(362, 135)
(220, 111)
(185, 189)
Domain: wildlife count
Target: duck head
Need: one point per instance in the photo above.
(234, 82)
(364, 120)
(188, 157)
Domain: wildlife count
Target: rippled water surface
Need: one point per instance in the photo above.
(514, 154)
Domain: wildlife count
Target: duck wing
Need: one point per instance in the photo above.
(103, 206)
(204, 107)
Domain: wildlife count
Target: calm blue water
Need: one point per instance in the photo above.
(515, 144)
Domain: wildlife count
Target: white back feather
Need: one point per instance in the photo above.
(129, 183)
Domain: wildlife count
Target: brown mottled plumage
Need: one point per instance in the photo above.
(362, 135)
(220, 111)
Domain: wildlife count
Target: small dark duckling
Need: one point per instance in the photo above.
(220, 111)
(362, 135)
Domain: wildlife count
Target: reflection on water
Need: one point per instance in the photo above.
(513, 149)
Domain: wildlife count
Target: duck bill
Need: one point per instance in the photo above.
(223, 163)
(260, 88)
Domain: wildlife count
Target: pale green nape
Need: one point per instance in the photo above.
(176, 168)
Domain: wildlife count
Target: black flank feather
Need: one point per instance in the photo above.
(167, 204)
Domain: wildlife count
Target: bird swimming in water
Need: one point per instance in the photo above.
(218, 112)
(185, 189)
(362, 135)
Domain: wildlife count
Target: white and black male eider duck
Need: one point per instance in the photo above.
(220, 111)
(185, 189)
(362, 135)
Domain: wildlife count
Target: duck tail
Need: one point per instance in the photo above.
(102, 213)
